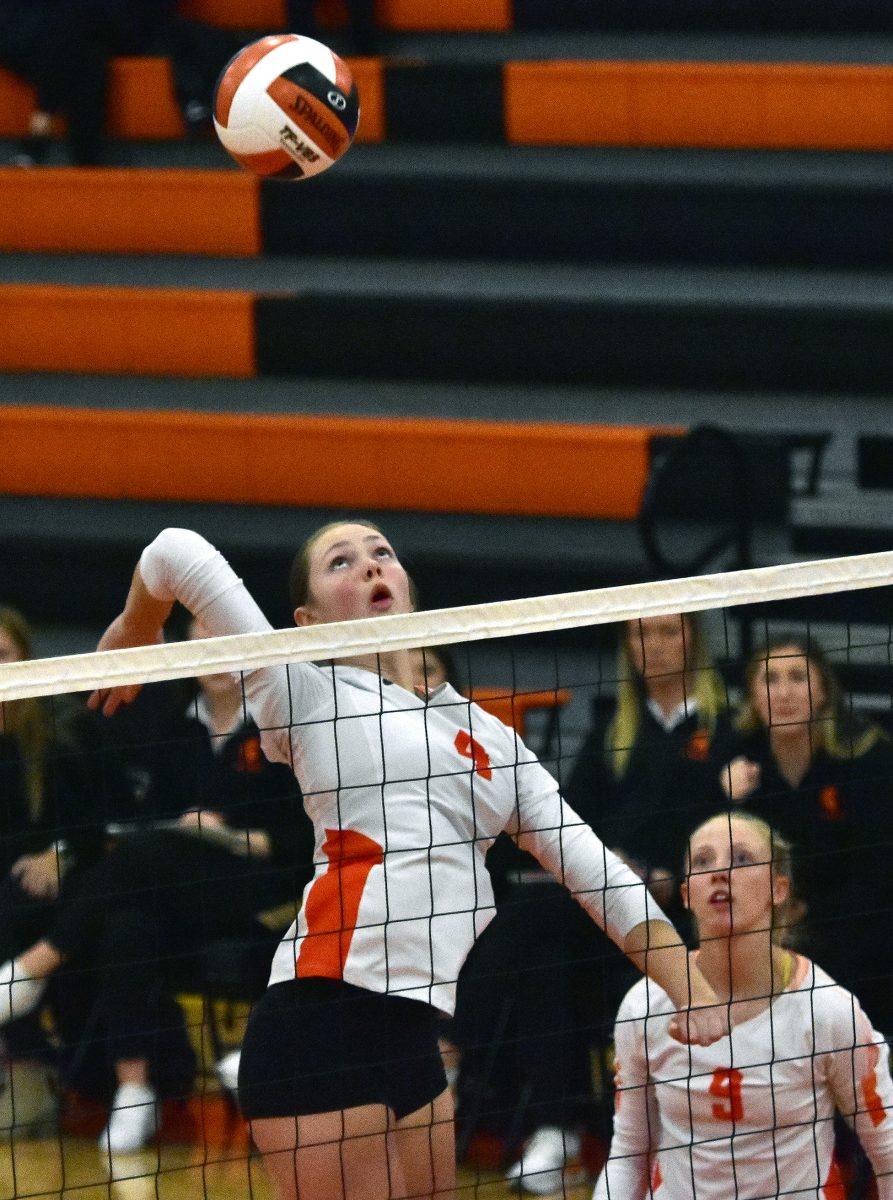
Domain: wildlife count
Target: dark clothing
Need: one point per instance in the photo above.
(530, 1004)
(140, 919)
(85, 786)
(361, 23)
(185, 768)
(62, 48)
(669, 786)
(320, 1045)
(840, 822)
(560, 978)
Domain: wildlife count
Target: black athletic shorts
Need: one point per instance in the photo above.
(321, 1045)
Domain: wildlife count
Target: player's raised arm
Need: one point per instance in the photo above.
(616, 899)
(178, 566)
(141, 623)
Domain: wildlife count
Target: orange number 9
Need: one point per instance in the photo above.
(726, 1084)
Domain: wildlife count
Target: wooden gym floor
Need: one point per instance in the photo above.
(73, 1168)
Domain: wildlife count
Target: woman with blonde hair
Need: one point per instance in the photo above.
(750, 1116)
(59, 784)
(649, 765)
(822, 778)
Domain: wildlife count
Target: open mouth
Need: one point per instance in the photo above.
(381, 597)
(720, 896)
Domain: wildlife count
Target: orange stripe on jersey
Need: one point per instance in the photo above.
(656, 1177)
(874, 1105)
(834, 1187)
(334, 902)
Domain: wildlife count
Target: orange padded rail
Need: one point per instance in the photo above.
(474, 15)
(512, 707)
(142, 105)
(257, 15)
(741, 105)
(445, 466)
(130, 211)
(369, 76)
(141, 101)
(16, 105)
(111, 330)
(483, 15)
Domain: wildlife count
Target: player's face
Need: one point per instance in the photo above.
(10, 651)
(354, 573)
(731, 886)
(659, 646)
(787, 690)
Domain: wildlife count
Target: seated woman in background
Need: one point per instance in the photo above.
(752, 1115)
(824, 781)
(60, 783)
(648, 768)
(139, 917)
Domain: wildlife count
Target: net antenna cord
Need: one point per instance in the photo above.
(469, 623)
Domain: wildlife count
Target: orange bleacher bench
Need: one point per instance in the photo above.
(476, 15)
(509, 468)
(630, 103)
(130, 211)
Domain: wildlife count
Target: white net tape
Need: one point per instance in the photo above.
(538, 614)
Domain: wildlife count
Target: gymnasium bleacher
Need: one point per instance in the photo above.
(569, 230)
(559, 219)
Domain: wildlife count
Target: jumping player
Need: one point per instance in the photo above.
(750, 1116)
(341, 1077)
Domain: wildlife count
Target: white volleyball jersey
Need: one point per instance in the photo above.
(406, 797)
(750, 1117)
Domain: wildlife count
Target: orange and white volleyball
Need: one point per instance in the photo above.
(286, 106)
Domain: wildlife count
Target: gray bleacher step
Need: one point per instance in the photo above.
(672, 287)
(669, 46)
(621, 164)
(454, 558)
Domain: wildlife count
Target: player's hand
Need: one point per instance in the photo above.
(740, 778)
(700, 1026)
(38, 874)
(121, 635)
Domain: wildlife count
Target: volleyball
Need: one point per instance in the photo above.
(286, 107)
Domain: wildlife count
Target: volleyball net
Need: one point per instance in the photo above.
(181, 855)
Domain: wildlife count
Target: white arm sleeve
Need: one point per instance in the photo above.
(626, 1174)
(182, 565)
(543, 824)
(858, 1072)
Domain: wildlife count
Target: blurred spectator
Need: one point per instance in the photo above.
(60, 784)
(62, 48)
(361, 27)
(647, 769)
(823, 778)
(139, 919)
